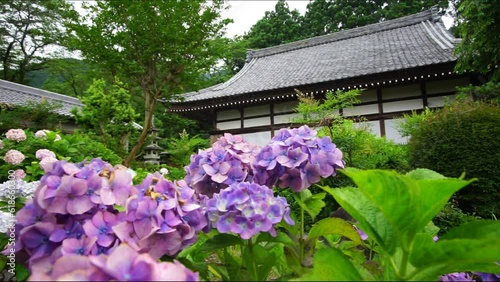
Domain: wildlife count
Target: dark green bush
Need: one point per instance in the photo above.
(463, 138)
(451, 216)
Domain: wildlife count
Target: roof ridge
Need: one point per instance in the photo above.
(40, 92)
(429, 14)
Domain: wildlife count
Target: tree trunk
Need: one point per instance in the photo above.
(150, 102)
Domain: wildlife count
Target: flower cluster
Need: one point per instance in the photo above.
(22, 188)
(43, 134)
(122, 264)
(14, 157)
(296, 158)
(162, 218)
(68, 198)
(228, 161)
(75, 212)
(46, 157)
(16, 135)
(247, 209)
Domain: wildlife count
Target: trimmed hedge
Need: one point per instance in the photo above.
(463, 138)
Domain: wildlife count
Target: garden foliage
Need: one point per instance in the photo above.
(463, 138)
(88, 221)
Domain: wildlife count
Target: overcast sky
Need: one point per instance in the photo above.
(246, 13)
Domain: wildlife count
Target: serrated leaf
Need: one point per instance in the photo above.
(334, 226)
(221, 241)
(369, 218)
(22, 272)
(279, 238)
(332, 265)
(233, 267)
(411, 204)
(312, 205)
(423, 173)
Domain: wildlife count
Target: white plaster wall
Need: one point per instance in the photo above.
(361, 110)
(284, 118)
(256, 121)
(257, 138)
(371, 126)
(229, 114)
(285, 107)
(402, 105)
(392, 133)
(257, 111)
(228, 125)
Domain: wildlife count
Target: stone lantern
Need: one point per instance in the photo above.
(152, 150)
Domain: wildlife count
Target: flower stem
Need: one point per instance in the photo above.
(252, 258)
(301, 239)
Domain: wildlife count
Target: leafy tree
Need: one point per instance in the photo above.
(68, 76)
(27, 30)
(479, 50)
(276, 27)
(328, 16)
(158, 47)
(107, 113)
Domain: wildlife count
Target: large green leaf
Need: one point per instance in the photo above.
(406, 204)
(424, 174)
(334, 226)
(370, 219)
(332, 265)
(221, 241)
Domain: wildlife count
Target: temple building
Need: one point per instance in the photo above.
(403, 65)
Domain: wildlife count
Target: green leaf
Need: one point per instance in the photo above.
(423, 173)
(233, 267)
(312, 204)
(370, 219)
(221, 241)
(334, 226)
(412, 203)
(22, 272)
(279, 238)
(332, 265)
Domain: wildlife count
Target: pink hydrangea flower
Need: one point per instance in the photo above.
(16, 135)
(44, 153)
(1, 144)
(46, 163)
(13, 157)
(19, 174)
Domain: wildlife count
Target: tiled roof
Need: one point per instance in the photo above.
(408, 42)
(17, 94)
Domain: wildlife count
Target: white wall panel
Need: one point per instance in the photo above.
(229, 114)
(285, 107)
(371, 126)
(256, 121)
(257, 138)
(392, 133)
(403, 105)
(228, 125)
(361, 110)
(257, 111)
(401, 91)
(288, 118)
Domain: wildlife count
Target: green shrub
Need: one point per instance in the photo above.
(463, 138)
(451, 216)
(74, 147)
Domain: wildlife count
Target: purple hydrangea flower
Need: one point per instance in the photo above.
(457, 276)
(227, 161)
(247, 209)
(296, 158)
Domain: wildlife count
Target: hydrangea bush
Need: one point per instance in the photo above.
(88, 221)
